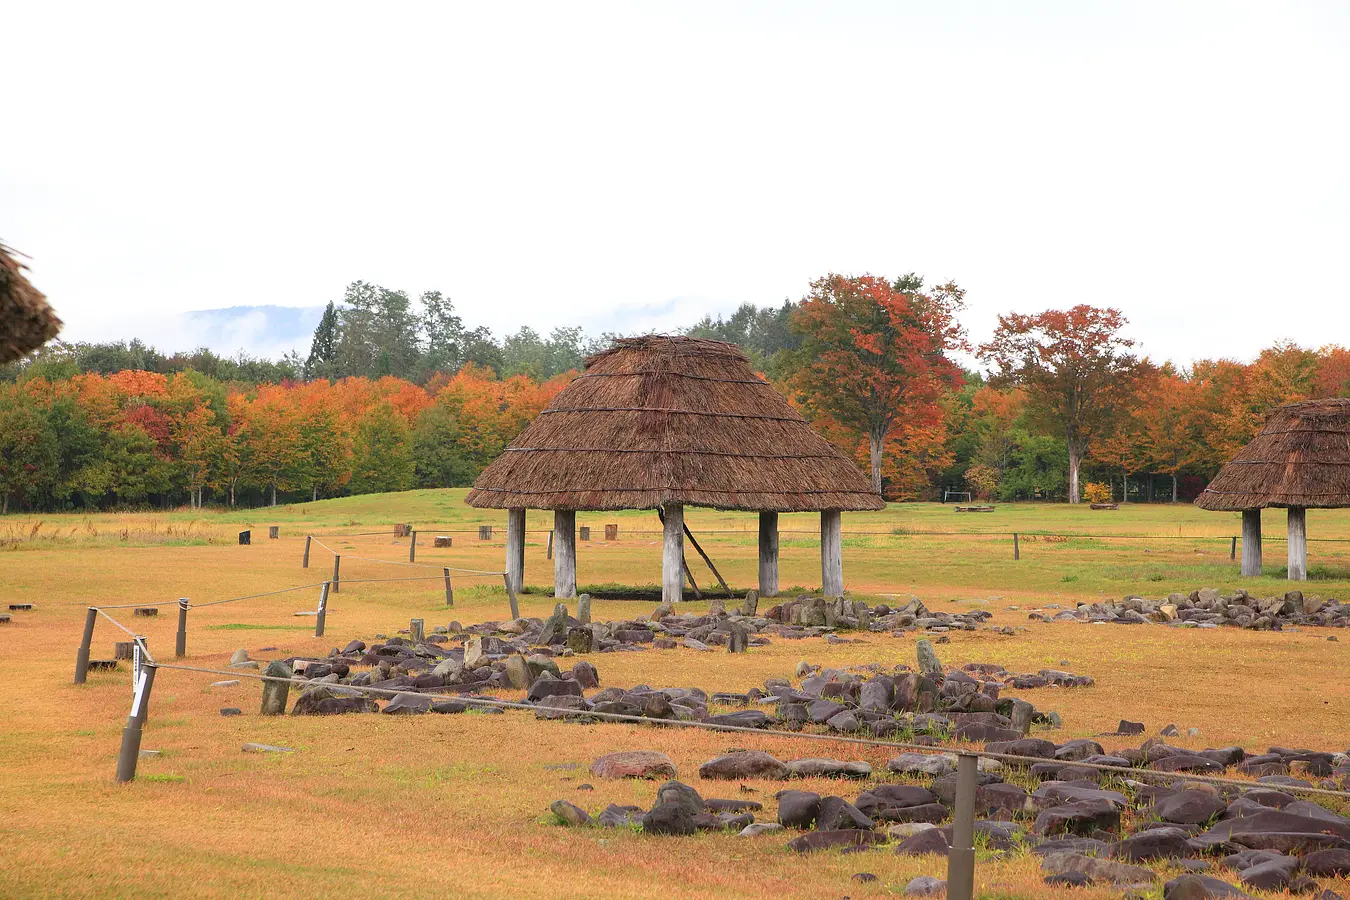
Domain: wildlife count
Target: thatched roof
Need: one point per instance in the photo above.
(662, 419)
(26, 321)
(1300, 458)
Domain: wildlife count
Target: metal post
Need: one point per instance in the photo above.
(449, 590)
(82, 655)
(131, 734)
(412, 548)
(961, 859)
(511, 595)
(180, 647)
(1017, 549)
(304, 563)
(337, 568)
(1232, 551)
(323, 610)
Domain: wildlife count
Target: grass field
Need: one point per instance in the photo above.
(430, 804)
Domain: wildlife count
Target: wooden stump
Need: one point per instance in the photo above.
(273, 532)
(443, 540)
(402, 530)
(485, 532)
(102, 665)
(145, 611)
(245, 538)
(611, 532)
(20, 607)
(123, 649)
(584, 532)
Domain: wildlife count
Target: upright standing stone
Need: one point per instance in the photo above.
(474, 654)
(929, 664)
(717, 607)
(580, 640)
(416, 631)
(739, 639)
(275, 693)
(1022, 713)
(751, 605)
(584, 609)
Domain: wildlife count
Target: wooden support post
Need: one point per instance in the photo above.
(564, 553)
(549, 553)
(1232, 550)
(672, 553)
(1251, 542)
(337, 573)
(449, 589)
(180, 645)
(1017, 547)
(412, 548)
(131, 733)
(515, 547)
(961, 858)
(304, 561)
(1298, 543)
(511, 597)
(82, 655)
(716, 574)
(831, 553)
(768, 554)
(321, 619)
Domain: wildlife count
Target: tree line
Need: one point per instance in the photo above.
(397, 393)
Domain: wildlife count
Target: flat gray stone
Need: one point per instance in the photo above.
(266, 748)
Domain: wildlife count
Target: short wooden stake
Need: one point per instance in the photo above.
(180, 645)
(511, 596)
(321, 618)
(82, 655)
(961, 858)
(304, 562)
(412, 548)
(1017, 549)
(449, 589)
(131, 733)
(337, 573)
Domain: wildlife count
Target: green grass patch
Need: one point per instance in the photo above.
(156, 778)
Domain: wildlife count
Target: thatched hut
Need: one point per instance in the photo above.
(662, 422)
(1299, 461)
(26, 321)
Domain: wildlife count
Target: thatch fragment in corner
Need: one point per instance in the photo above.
(26, 321)
(662, 419)
(1300, 458)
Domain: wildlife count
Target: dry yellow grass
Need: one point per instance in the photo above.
(417, 806)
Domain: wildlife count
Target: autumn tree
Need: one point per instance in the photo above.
(382, 453)
(1076, 367)
(874, 359)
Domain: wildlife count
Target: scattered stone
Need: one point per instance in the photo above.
(570, 813)
(925, 885)
(744, 764)
(757, 828)
(266, 748)
(276, 693)
(228, 711)
(634, 764)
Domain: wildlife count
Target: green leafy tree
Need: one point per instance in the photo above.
(382, 457)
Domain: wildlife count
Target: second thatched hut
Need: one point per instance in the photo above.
(1300, 460)
(663, 422)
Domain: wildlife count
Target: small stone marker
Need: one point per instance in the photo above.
(273, 532)
(245, 538)
(717, 607)
(485, 532)
(474, 654)
(738, 641)
(239, 656)
(4, 618)
(275, 693)
(1022, 714)
(20, 607)
(416, 629)
(266, 748)
(145, 611)
(929, 664)
(580, 640)
(751, 605)
(611, 532)
(584, 609)
(228, 711)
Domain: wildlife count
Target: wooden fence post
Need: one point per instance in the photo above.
(337, 571)
(180, 646)
(304, 562)
(412, 548)
(1017, 549)
(961, 858)
(322, 617)
(131, 734)
(82, 655)
(449, 589)
(511, 596)
(1232, 550)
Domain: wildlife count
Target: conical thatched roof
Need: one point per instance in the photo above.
(1300, 458)
(26, 321)
(662, 419)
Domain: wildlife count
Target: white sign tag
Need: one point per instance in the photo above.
(135, 663)
(140, 693)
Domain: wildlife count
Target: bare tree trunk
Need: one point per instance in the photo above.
(1075, 461)
(1174, 487)
(874, 442)
(274, 494)
(4, 511)
(315, 493)
(231, 495)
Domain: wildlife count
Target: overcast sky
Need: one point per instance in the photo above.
(632, 166)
